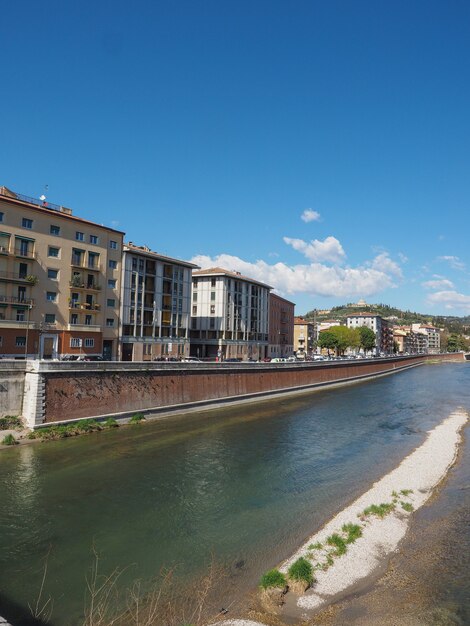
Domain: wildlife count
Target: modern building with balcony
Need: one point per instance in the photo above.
(229, 316)
(382, 328)
(59, 281)
(155, 307)
(281, 327)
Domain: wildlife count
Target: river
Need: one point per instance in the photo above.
(244, 484)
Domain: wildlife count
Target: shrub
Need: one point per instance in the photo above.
(9, 440)
(301, 570)
(407, 506)
(110, 423)
(315, 546)
(353, 531)
(137, 417)
(87, 426)
(273, 578)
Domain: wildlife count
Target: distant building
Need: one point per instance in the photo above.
(281, 326)
(155, 309)
(60, 279)
(229, 315)
(381, 327)
(305, 337)
(433, 337)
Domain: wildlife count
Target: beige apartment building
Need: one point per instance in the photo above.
(304, 338)
(60, 281)
(155, 306)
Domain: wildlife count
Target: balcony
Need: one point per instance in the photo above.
(4, 250)
(79, 284)
(84, 306)
(85, 328)
(25, 253)
(16, 277)
(18, 324)
(15, 300)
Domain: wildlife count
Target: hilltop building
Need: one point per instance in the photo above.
(155, 306)
(281, 326)
(60, 281)
(229, 315)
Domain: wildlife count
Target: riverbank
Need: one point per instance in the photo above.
(405, 489)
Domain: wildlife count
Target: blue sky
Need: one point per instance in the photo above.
(207, 130)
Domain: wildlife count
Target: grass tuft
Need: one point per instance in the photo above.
(110, 423)
(272, 578)
(10, 421)
(406, 492)
(381, 510)
(301, 570)
(136, 418)
(9, 440)
(315, 546)
(338, 543)
(353, 532)
(407, 506)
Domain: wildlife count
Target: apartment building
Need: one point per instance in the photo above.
(59, 281)
(381, 327)
(155, 307)
(281, 326)
(304, 337)
(432, 343)
(229, 315)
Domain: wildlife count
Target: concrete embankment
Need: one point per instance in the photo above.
(52, 392)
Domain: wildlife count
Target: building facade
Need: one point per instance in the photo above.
(281, 327)
(381, 327)
(433, 337)
(155, 305)
(229, 315)
(59, 281)
(304, 338)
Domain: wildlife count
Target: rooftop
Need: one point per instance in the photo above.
(145, 251)
(220, 271)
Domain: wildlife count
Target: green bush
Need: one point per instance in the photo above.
(381, 510)
(9, 440)
(301, 570)
(273, 578)
(110, 423)
(407, 506)
(137, 417)
(87, 426)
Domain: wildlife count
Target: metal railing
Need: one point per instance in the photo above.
(15, 300)
(17, 276)
(36, 201)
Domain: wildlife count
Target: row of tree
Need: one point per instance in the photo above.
(340, 338)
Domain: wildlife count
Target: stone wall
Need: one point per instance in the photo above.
(79, 390)
(12, 374)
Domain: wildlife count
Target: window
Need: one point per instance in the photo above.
(93, 239)
(194, 296)
(109, 321)
(212, 323)
(49, 318)
(51, 296)
(194, 310)
(113, 245)
(54, 230)
(20, 342)
(75, 342)
(89, 343)
(212, 282)
(112, 264)
(53, 252)
(195, 283)
(26, 223)
(111, 302)
(74, 318)
(87, 320)
(1, 220)
(112, 283)
(212, 296)
(20, 315)
(1, 341)
(52, 274)
(212, 309)
(79, 236)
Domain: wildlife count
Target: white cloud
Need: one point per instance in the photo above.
(453, 261)
(451, 300)
(440, 283)
(309, 215)
(403, 258)
(383, 263)
(329, 249)
(313, 279)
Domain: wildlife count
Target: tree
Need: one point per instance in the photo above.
(327, 340)
(367, 338)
